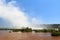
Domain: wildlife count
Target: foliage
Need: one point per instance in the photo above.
(26, 30)
(55, 33)
(41, 30)
(23, 30)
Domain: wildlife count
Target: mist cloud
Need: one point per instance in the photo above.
(13, 14)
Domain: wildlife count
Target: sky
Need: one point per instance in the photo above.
(46, 10)
(19, 13)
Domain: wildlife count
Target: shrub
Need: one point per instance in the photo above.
(55, 33)
(44, 30)
(26, 30)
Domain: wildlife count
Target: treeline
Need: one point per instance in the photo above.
(52, 25)
(27, 29)
(48, 28)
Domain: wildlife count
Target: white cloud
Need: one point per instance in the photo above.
(12, 13)
(36, 21)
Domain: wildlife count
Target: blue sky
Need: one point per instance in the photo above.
(47, 10)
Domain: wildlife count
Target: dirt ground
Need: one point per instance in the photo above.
(26, 36)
